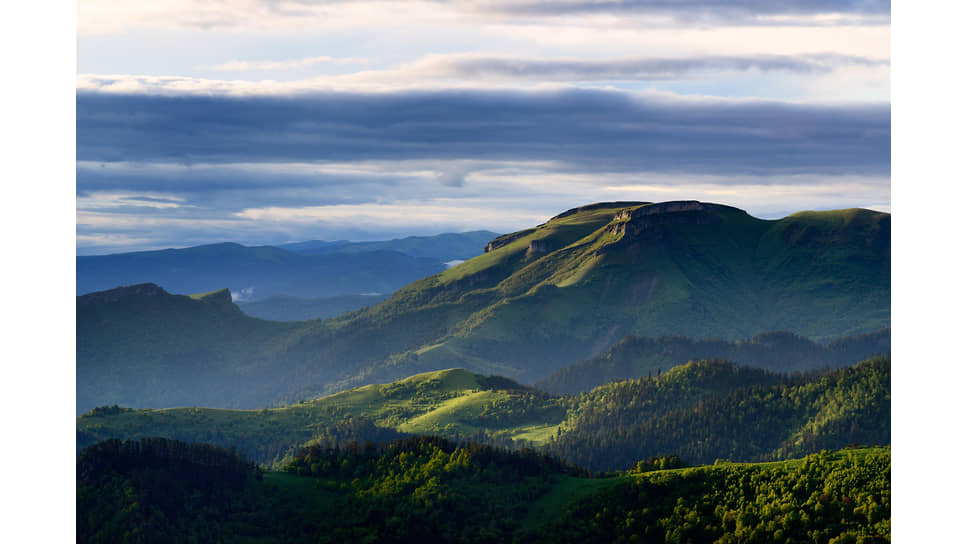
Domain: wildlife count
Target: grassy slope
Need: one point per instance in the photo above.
(460, 403)
(526, 313)
(435, 402)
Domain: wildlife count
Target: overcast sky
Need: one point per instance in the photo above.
(261, 121)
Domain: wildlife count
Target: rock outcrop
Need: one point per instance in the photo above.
(684, 212)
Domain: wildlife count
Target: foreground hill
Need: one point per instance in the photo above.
(431, 490)
(702, 411)
(635, 356)
(256, 271)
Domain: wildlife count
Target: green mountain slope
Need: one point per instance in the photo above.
(546, 297)
(452, 402)
(287, 308)
(690, 410)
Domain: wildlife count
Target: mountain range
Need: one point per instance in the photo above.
(312, 269)
(535, 302)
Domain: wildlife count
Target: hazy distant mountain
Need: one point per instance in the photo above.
(442, 247)
(141, 346)
(255, 272)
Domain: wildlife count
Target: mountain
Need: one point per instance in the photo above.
(536, 301)
(445, 247)
(141, 346)
(701, 411)
(635, 356)
(543, 298)
(255, 272)
(287, 308)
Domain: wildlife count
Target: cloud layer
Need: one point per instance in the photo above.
(597, 129)
(104, 16)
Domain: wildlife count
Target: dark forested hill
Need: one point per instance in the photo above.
(708, 410)
(431, 490)
(635, 356)
(141, 346)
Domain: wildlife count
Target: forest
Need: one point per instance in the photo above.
(431, 489)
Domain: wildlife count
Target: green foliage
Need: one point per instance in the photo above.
(454, 403)
(429, 489)
(826, 497)
(157, 490)
(701, 411)
(709, 410)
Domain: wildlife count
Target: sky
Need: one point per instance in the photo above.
(264, 121)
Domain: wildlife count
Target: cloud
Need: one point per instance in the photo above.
(596, 129)
(627, 69)
(473, 71)
(243, 66)
(702, 11)
(361, 200)
(99, 16)
(243, 295)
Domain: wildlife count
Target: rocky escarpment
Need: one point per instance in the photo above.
(539, 246)
(119, 293)
(597, 206)
(633, 221)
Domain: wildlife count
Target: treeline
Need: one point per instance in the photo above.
(157, 490)
(754, 416)
(826, 498)
(636, 356)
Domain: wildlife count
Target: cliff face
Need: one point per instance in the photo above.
(119, 293)
(685, 212)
